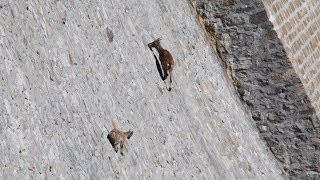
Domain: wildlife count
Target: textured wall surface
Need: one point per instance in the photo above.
(70, 67)
(266, 82)
(297, 24)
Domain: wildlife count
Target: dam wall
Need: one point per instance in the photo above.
(68, 68)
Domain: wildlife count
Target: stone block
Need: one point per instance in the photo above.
(259, 17)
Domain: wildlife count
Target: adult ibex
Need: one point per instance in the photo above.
(166, 60)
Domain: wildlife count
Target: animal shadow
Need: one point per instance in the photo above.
(158, 65)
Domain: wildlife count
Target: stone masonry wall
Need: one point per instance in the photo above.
(297, 24)
(67, 68)
(266, 82)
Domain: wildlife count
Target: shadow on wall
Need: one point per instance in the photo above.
(158, 65)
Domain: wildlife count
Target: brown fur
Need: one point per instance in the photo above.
(117, 137)
(165, 58)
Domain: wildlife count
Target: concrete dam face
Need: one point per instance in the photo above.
(68, 68)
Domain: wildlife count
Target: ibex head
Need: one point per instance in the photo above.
(129, 134)
(155, 43)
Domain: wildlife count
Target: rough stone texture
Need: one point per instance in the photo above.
(266, 82)
(70, 67)
(297, 23)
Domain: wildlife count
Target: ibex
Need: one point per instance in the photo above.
(118, 137)
(165, 58)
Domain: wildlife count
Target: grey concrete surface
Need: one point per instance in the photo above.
(70, 67)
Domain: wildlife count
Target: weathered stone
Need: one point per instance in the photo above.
(257, 116)
(227, 2)
(315, 139)
(268, 84)
(234, 21)
(298, 27)
(270, 35)
(263, 129)
(259, 17)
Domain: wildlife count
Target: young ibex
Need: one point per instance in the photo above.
(165, 58)
(118, 137)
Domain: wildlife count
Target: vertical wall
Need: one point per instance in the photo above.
(67, 68)
(297, 23)
(266, 81)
